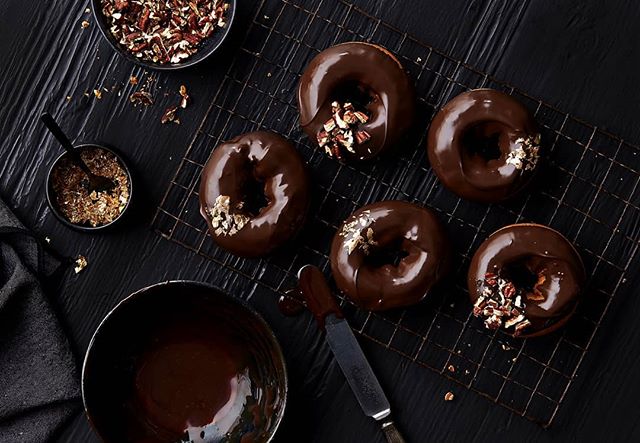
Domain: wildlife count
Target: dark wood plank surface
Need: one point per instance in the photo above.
(581, 56)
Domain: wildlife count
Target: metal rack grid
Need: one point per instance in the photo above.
(588, 191)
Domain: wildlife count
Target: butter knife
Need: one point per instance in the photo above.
(346, 349)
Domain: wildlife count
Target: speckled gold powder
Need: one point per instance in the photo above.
(71, 189)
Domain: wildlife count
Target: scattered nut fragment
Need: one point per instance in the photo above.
(98, 94)
(141, 98)
(81, 263)
(47, 239)
(451, 368)
(84, 24)
(133, 80)
(184, 95)
(169, 116)
(448, 396)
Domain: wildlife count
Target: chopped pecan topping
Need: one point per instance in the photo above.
(163, 31)
(359, 234)
(525, 156)
(501, 303)
(536, 294)
(341, 131)
(225, 219)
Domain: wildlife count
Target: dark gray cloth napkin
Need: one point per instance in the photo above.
(39, 387)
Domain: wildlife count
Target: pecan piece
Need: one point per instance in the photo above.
(144, 19)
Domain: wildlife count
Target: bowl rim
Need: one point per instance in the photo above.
(244, 304)
(50, 194)
(99, 18)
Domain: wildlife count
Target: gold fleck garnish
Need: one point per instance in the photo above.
(97, 93)
(451, 368)
(526, 155)
(223, 219)
(358, 233)
(133, 80)
(81, 263)
(448, 396)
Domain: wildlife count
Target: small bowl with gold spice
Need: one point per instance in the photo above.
(75, 202)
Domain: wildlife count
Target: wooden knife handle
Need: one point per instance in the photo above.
(316, 292)
(391, 433)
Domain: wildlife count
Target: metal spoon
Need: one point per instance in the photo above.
(97, 183)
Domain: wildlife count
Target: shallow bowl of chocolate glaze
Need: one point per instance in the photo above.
(205, 47)
(182, 361)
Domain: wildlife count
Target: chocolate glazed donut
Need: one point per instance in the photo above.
(355, 100)
(389, 254)
(484, 145)
(254, 193)
(525, 278)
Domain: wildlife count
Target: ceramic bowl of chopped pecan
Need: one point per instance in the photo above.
(165, 34)
(71, 198)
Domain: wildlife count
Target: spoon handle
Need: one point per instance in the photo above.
(57, 132)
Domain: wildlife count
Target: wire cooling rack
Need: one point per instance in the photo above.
(588, 191)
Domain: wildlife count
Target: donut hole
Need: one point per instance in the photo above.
(391, 254)
(254, 196)
(487, 140)
(520, 274)
(354, 92)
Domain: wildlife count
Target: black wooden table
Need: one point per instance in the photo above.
(561, 57)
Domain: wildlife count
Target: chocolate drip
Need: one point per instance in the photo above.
(291, 303)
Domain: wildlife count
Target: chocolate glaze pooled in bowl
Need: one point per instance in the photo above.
(182, 362)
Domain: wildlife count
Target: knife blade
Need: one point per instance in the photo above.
(346, 349)
(356, 368)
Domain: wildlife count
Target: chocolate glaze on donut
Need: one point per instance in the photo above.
(254, 193)
(530, 268)
(389, 254)
(373, 81)
(484, 145)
